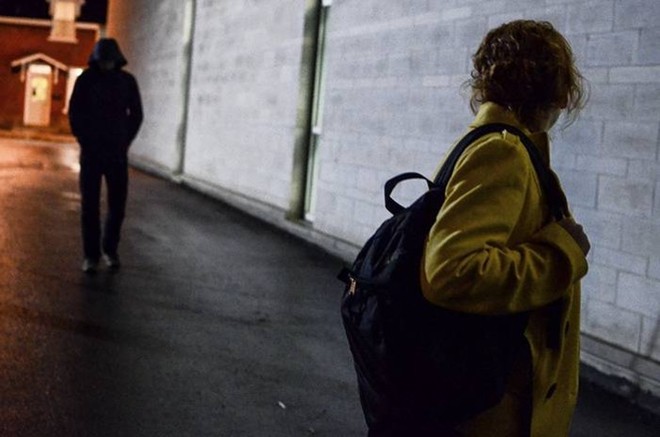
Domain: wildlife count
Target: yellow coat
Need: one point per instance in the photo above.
(495, 250)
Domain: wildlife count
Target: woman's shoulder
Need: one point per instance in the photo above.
(498, 147)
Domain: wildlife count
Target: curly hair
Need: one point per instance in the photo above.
(528, 67)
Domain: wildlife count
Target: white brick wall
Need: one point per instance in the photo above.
(617, 141)
(151, 37)
(393, 103)
(244, 97)
(608, 160)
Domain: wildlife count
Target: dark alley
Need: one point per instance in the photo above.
(217, 324)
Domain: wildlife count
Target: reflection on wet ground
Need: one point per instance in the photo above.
(213, 323)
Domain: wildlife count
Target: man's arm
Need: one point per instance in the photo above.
(135, 115)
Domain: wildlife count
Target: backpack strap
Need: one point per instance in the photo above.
(392, 205)
(547, 178)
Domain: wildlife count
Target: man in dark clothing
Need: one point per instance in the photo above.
(105, 113)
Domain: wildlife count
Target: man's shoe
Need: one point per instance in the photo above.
(89, 266)
(112, 261)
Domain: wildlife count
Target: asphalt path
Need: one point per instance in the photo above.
(217, 324)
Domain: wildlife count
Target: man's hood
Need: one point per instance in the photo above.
(107, 49)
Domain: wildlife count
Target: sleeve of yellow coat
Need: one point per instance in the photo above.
(472, 262)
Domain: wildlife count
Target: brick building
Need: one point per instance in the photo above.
(37, 74)
(298, 111)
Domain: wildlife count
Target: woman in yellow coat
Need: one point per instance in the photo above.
(494, 248)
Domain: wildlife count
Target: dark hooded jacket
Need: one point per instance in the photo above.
(105, 110)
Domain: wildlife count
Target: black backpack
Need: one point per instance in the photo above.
(421, 368)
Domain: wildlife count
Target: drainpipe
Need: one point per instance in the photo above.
(188, 43)
(305, 107)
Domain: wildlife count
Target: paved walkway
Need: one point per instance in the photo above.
(217, 325)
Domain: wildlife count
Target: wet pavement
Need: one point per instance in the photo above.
(216, 325)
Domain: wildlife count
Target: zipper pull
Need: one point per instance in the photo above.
(353, 286)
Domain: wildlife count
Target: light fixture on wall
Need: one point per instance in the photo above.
(64, 13)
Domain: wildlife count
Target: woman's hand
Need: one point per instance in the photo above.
(577, 232)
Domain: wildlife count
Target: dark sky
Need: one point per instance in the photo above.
(92, 11)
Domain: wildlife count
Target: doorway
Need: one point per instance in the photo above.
(38, 93)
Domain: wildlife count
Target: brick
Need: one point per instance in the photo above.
(650, 74)
(396, 41)
(609, 322)
(631, 140)
(393, 100)
(610, 102)
(611, 49)
(423, 100)
(416, 7)
(656, 201)
(378, 66)
(639, 294)
(343, 206)
(326, 173)
(368, 180)
(649, 47)
(632, 197)
(490, 7)
(353, 14)
(496, 20)
(623, 261)
(517, 5)
(326, 200)
(580, 188)
(347, 176)
(469, 33)
(563, 158)
(602, 227)
(650, 341)
(398, 125)
(451, 61)
(436, 35)
(418, 145)
(645, 169)
(647, 102)
(636, 14)
(457, 13)
(423, 62)
(641, 237)
(598, 75)
(654, 268)
(364, 213)
(591, 17)
(585, 136)
(602, 165)
(600, 283)
(408, 8)
(436, 81)
(557, 15)
(361, 195)
(392, 11)
(578, 43)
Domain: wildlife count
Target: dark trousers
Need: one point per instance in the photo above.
(92, 171)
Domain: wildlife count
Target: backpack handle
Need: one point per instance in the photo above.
(392, 205)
